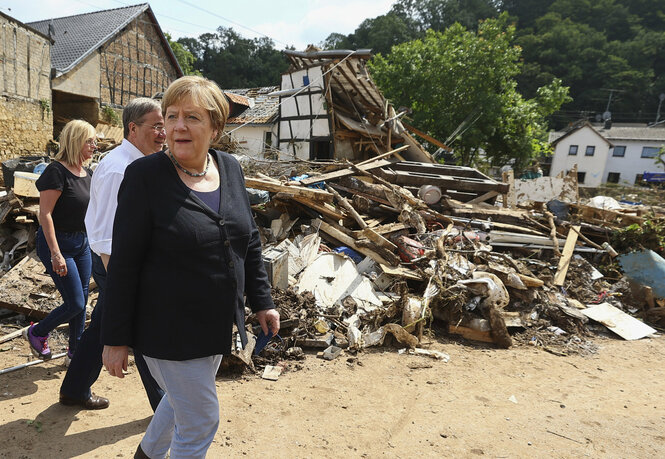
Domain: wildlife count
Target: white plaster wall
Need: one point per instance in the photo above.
(593, 166)
(83, 80)
(294, 81)
(632, 163)
(251, 139)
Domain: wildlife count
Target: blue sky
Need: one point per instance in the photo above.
(287, 22)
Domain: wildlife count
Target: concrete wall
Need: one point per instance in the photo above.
(593, 166)
(25, 90)
(134, 64)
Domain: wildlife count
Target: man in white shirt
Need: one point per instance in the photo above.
(144, 134)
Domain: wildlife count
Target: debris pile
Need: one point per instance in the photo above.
(390, 252)
(387, 262)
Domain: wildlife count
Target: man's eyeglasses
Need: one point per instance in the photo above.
(155, 127)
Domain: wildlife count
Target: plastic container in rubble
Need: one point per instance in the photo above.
(20, 164)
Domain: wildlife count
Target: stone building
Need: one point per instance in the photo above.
(26, 121)
(102, 60)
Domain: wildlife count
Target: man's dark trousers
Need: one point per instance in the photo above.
(86, 364)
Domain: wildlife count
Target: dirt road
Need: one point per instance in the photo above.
(521, 402)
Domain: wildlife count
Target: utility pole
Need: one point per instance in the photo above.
(661, 98)
(608, 115)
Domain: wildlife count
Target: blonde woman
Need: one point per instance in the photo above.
(62, 245)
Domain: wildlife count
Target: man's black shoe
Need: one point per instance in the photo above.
(95, 402)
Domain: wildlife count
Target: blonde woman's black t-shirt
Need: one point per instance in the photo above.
(69, 211)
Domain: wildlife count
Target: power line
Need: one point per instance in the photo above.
(229, 20)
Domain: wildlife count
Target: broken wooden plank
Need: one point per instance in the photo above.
(298, 191)
(344, 172)
(384, 155)
(440, 169)
(529, 281)
(471, 334)
(509, 196)
(368, 232)
(484, 197)
(566, 255)
(350, 242)
(479, 185)
(323, 208)
(426, 137)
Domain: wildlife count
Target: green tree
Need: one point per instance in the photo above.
(461, 86)
(593, 46)
(185, 58)
(233, 61)
(438, 15)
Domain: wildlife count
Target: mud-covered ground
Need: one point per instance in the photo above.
(606, 399)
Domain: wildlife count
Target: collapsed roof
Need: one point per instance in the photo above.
(331, 108)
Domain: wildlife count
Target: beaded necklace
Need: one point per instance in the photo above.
(191, 174)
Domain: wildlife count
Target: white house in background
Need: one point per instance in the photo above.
(252, 122)
(607, 154)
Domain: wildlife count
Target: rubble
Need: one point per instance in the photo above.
(390, 253)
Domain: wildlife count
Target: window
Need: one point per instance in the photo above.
(619, 151)
(650, 152)
(580, 177)
(320, 149)
(572, 150)
(268, 139)
(613, 177)
(590, 150)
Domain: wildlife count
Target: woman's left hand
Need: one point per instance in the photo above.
(59, 264)
(268, 319)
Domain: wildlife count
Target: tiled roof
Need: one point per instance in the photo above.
(655, 134)
(263, 111)
(633, 133)
(78, 36)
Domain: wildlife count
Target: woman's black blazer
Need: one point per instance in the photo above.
(179, 270)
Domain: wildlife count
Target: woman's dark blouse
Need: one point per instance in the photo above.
(69, 211)
(179, 270)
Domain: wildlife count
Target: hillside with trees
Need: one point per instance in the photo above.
(610, 53)
(495, 74)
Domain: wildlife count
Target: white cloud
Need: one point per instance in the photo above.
(322, 19)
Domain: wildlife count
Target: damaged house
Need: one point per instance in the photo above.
(331, 109)
(252, 124)
(102, 60)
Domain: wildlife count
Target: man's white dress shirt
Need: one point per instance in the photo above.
(104, 188)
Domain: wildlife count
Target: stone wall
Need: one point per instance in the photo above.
(24, 127)
(26, 122)
(135, 64)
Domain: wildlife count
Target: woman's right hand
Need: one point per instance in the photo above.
(59, 264)
(115, 359)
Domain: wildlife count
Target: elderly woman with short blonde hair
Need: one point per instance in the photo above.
(186, 251)
(62, 244)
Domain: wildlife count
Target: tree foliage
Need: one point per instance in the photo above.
(184, 57)
(463, 82)
(593, 46)
(233, 61)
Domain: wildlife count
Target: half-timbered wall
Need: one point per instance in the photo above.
(303, 117)
(134, 64)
